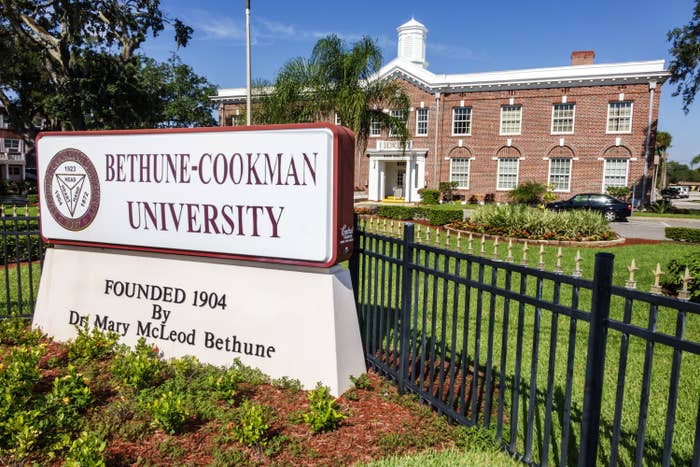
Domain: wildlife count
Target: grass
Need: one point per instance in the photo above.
(19, 290)
(441, 306)
(452, 457)
(21, 210)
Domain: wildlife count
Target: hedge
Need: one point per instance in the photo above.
(683, 234)
(15, 246)
(432, 215)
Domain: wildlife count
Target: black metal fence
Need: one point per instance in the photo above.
(22, 257)
(563, 370)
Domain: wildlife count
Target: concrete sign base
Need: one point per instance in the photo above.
(287, 321)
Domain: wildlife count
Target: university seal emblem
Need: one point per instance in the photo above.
(72, 189)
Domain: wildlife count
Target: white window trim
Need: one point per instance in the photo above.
(627, 172)
(427, 122)
(520, 122)
(607, 120)
(469, 172)
(573, 120)
(469, 133)
(549, 174)
(396, 114)
(379, 133)
(498, 173)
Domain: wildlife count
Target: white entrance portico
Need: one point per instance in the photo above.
(396, 172)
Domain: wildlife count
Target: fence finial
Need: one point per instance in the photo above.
(418, 233)
(437, 236)
(656, 288)
(384, 226)
(447, 238)
(391, 227)
(459, 240)
(483, 247)
(495, 248)
(14, 210)
(631, 283)
(523, 261)
(509, 258)
(577, 264)
(557, 267)
(470, 247)
(684, 293)
(427, 235)
(540, 263)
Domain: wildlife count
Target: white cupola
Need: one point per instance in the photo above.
(412, 42)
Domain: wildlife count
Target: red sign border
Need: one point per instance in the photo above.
(343, 191)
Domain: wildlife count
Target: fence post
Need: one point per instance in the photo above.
(406, 293)
(354, 263)
(595, 364)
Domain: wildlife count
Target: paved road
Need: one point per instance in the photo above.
(651, 228)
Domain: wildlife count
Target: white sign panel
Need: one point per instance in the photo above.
(269, 193)
(287, 320)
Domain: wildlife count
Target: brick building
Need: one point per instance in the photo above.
(579, 128)
(12, 151)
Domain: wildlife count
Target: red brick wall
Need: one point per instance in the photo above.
(588, 143)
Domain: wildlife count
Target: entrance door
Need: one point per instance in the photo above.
(399, 185)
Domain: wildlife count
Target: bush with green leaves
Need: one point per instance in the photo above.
(361, 382)
(447, 190)
(661, 206)
(529, 193)
(520, 221)
(683, 234)
(70, 396)
(168, 412)
(429, 196)
(87, 450)
(225, 384)
(91, 344)
(619, 192)
(252, 424)
(16, 330)
(673, 281)
(323, 414)
(138, 368)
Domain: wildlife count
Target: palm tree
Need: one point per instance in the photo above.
(695, 160)
(663, 142)
(342, 79)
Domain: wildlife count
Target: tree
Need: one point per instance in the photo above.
(182, 96)
(663, 142)
(342, 79)
(678, 172)
(73, 64)
(695, 160)
(685, 65)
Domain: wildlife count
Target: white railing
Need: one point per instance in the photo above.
(392, 145)
(4, 156)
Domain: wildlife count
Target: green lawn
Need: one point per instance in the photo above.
(19, 291)
(473, 311)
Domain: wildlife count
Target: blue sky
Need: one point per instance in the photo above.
(463, 37)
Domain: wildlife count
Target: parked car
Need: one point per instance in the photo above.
(683, 191)
(611, 207)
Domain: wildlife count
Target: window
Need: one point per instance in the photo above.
(459, 171)
(507, 173)
(615, 173)
(462, 121)
(560, 174)
(396, 114)
(14, 170)
(510, 119)
(374, 128)
(563, 118)
(620, 117)
(422, 122)
(11, 145)
(3, 122)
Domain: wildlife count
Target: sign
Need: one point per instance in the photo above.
(278, 193)
(286, 320)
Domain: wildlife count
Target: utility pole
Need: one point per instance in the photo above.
(249, 110)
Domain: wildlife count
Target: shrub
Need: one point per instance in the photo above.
(323, 412)
(87, 449)
(620, 192)
(33, 199)
(446, 190)
(140, 367)
(683, 234)
(529, 193)
(676, 268)
(168, 412)
(252, 424)
(69, 397)
(361, 382)
(489, 198)
(397, 212)
(16, 330)
(91, 345)
(443, 217)
(521, 221)
(225, 384)
(661, 206)
(429, 196)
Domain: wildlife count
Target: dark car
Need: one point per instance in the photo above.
(670, 192)
(611, 207)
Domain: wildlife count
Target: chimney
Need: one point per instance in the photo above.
(582, 57)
